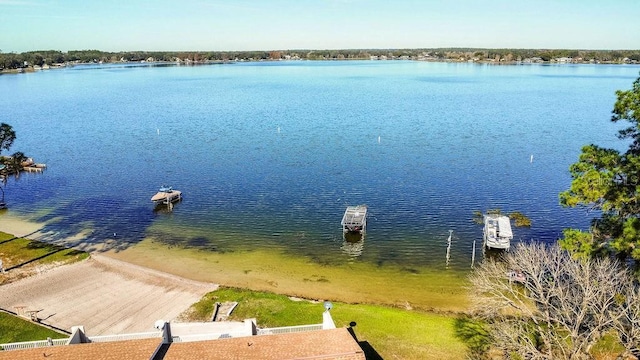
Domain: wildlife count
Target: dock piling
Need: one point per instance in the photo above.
(473, 253)
(449, 248)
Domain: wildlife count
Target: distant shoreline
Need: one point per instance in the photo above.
(44, 59)
(32, 69)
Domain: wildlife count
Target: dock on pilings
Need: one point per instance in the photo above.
(354, 219)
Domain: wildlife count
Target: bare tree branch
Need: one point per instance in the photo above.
(628, 325)
(543, 304)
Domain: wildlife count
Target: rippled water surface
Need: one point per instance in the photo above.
(270, 154)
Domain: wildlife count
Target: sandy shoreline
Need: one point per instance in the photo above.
(104, 294)
(17, 226)
(274, 271)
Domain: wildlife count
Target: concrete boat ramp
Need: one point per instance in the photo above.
(105, 295)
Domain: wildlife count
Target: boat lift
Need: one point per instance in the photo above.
(354, 220)
(166, 195)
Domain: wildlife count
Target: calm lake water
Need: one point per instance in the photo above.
(270, 154)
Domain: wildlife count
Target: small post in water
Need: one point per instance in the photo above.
(473, 253)
(449, 247)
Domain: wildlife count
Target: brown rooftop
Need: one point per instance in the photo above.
(332, 344)
(117, 350)
(319, 344)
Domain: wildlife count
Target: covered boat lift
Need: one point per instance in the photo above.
(354, 219)
(497, 231)
(167, 196)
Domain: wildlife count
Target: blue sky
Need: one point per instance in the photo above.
(184, 25)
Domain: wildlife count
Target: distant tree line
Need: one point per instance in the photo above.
(51, 57)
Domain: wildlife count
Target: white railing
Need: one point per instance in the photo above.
(121, 337)
(289, 329)
(158, 334)
(204, 337)
(102, 338)
(33, 344)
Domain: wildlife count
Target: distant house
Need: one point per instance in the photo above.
(564, 60)
(534, 59)
(212, 340)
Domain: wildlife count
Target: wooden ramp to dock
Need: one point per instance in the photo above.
(354, 219)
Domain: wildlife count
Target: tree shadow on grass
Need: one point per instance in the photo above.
(16, 237)
(34, 259)
(34, 245)
(474, 334)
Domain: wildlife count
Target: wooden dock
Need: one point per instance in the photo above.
(31, 166)
(33, 169)
(354, 219)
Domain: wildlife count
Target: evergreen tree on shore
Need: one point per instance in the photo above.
(608, 181)
(7, 136)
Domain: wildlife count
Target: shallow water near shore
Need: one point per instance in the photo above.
(268, 155)
(271, 270)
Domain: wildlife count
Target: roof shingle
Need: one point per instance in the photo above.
(320, 344)
(117, 350)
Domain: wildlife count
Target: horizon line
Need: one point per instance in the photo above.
(332, 49)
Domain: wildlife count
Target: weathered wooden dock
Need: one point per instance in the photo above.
(354, 219)
(33, 169)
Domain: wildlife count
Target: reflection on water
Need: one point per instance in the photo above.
(493, 254)
(270, 155)
(353, 244)
(165, 208)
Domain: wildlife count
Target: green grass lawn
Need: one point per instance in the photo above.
(15, 329)
(18, 253)
(394, 333)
